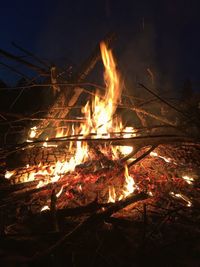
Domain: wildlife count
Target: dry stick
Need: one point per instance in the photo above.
(56, 88)
(164, 101)
(41, 119)
(142, 156)
(30, 54)
(22, 90)
(68, 84)
(15, 71)
(24, 62)
(139, 115)
(92, 221)
(161, 99)
(153, 100)
(156, 117)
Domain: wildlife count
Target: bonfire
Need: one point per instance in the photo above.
(97, 168)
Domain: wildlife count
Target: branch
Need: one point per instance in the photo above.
(91, 222)
(30, 54)
(24, 62)
(142, 156)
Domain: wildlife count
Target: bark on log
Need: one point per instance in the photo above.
(36, 155)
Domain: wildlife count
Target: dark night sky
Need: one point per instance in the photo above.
(169, 42)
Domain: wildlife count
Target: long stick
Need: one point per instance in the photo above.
(15, 71)
(24, 62)
(30, 54)
(156, 117)
(164, 101)
(41, 119)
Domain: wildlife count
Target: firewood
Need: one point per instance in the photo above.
(36, 156)
(93, 221)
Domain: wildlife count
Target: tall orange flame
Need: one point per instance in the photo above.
(99, 119)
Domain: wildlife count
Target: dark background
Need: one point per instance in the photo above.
(160, 35)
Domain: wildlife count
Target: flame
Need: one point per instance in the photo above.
(100, 114)
(129, 188)
(111, 194)
(129, 183)
(99, 120)
(183, 197)
(61, 132)
(104, 109)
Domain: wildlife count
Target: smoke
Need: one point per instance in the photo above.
(138, 61)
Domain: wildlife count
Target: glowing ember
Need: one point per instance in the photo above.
(150, 193)
(9, 174)
(33, 132)
(60, 192)
(154, 154)
(45, 208)
(125, 150)
(183, 197)
(188, 179)
(111, 195)
(45, 144)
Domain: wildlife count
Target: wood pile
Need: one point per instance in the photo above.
(71, 220)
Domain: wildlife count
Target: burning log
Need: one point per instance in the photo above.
(37, 155)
